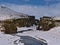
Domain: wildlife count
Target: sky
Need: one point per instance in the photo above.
(37, 8)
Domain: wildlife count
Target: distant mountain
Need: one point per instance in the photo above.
(7, 13)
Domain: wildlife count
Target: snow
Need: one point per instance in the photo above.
(7, 13)
(2, 17)
(52, 36)
(57, 18)
(6, 39)
(26, 28)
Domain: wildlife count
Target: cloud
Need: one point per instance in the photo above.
(37, 11)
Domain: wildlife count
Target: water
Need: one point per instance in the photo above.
(27, 40)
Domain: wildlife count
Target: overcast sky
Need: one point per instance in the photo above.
(37, 8)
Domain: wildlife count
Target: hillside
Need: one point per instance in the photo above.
(7, 13)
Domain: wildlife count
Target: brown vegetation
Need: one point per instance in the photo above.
(46, 23)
